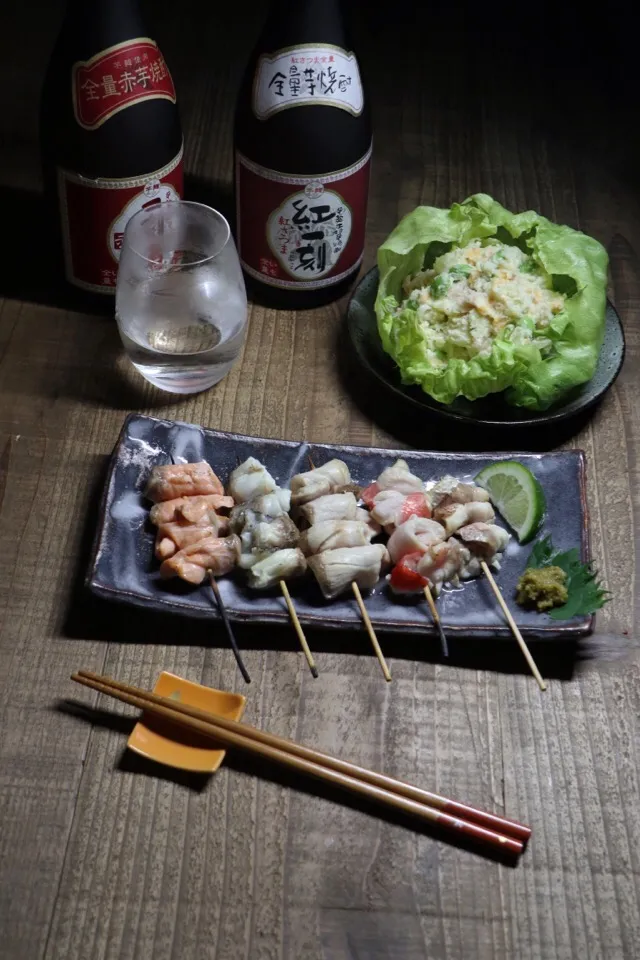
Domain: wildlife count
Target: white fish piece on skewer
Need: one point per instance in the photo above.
(336, 570)
(453, 516)
(332, 534)
(443, 563)
(333, 506)
(414, 535)
(269, 507)
(274, 567)
(399, 477)
(452, 490)
(267, 536)
(365, 517)
(319, 482)
(485, 541)
(250, 480)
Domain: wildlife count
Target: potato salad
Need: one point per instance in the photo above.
(477, 293)
(476, 300)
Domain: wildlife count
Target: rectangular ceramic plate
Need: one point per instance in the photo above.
(123, 567)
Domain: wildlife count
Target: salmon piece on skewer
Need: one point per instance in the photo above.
(175, 535)
(191, 509)
(217, 554)
(182, 480)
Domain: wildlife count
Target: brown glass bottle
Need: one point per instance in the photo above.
(302, 154)
(110, 133)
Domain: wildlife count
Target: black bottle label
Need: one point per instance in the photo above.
(307, 75)
(301, 232)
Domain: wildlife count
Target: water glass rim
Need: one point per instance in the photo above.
(182, 203)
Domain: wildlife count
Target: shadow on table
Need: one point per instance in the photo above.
(253, 766)
(31, 268)
(129, 761)
(425, 431)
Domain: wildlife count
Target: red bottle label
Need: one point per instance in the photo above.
(118, 77)
(301, 232)
(95, 213)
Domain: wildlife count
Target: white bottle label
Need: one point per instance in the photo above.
(309, 231)
(307, 74)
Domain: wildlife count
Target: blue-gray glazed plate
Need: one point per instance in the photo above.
(123, 567)
(491, 411)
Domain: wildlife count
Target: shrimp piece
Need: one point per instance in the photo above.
(399, 477)
(394, 508)
(442, 562)
(415, 535)
(455, 515)
(182, 480)
(386, 508)
(217, 554)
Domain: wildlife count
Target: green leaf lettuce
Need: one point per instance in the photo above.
(577, 265)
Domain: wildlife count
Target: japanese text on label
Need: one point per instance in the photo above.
(307, 75)
(118, 77)
(309, 231)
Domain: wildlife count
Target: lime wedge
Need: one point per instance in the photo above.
(516, 494)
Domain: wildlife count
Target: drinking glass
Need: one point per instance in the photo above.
(181, 303)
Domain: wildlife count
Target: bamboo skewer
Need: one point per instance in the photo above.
(298, 629)
(369, 627)
(295, 621)
(514, 627)
(507, 835)
(436, 619)
(228, 628)
(365, 616)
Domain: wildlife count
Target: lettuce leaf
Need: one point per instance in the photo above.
(577, 265)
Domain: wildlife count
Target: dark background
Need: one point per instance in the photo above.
(556, 66)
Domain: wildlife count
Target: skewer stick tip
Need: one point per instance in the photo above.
(372, 634)
(298, 629)
(444, 646)
(228, 627)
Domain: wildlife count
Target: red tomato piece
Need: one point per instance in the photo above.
(369, 494)
(405, 577)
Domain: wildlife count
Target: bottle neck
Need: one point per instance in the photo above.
(305, 21)
(90, 27)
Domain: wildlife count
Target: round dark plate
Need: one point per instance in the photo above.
(492, 410)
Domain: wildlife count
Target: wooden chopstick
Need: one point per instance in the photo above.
(298, 629)
(514, 626)
(228, 627)
(250, 738)
(436, 619)
(369, 627)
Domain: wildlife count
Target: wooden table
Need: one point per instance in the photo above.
(104, 857)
